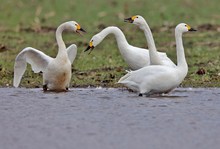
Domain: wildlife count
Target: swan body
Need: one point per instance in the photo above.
(135, 57)
(159, 78)
(56, 71)
(155, 58)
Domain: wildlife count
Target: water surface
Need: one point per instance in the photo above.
(187, 118)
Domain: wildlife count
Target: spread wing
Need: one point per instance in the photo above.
(37, 59)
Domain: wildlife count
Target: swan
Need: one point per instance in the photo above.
(159, 78)
(56, 71)
(155, 58)
(135, 57)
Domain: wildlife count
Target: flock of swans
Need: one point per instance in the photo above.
(151, 71)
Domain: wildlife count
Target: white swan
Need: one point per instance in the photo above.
(56, 71)
(158, 78)
(135, 57)
(155, 57)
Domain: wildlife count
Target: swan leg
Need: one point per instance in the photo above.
(146, 94)
(45, 87)
(67, 87)
(140, 94)
(143, 90)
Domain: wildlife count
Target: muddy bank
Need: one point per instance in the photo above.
(109, 119)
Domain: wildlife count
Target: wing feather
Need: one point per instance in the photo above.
(37, 59)
(72, 51)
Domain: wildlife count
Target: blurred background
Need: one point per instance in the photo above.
(33, 23)
(89, 12)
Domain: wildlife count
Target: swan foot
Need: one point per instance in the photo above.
(45, 87)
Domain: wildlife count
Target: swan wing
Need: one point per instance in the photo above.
(136, 57)
(156, 78)
(148, 72)
(37, 59)
(166, 60)
(72, 51)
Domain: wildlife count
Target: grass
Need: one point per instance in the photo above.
(33, 23)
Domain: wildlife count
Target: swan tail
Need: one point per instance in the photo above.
(122, 79)
(128, 71)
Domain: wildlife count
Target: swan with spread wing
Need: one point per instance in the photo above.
(56, 71)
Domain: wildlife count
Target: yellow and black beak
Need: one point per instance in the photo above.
(79, 29)
(90, 46)
(190, 28)
(130, 20)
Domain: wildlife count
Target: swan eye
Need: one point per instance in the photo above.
(185, 25)
(137, 17)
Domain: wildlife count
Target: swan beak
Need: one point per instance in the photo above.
(80, 30)
(130, 20)
(90, 46)
(192, 29)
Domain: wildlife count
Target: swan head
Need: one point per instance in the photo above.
(74, 26)
(183, 27)
(95, 40)
(137, 20)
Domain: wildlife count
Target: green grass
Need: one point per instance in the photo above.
(23, 23)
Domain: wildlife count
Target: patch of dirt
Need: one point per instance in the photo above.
(99, 79)
(201, 71)
(209, 27)
(101, 26)
(104, 69)
(3, 48)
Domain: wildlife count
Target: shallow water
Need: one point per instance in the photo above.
(109, 119)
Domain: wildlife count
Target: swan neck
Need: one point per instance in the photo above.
(154, 56)
(181, 60)
(120, 37)
(149, 36)
(60, 42)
